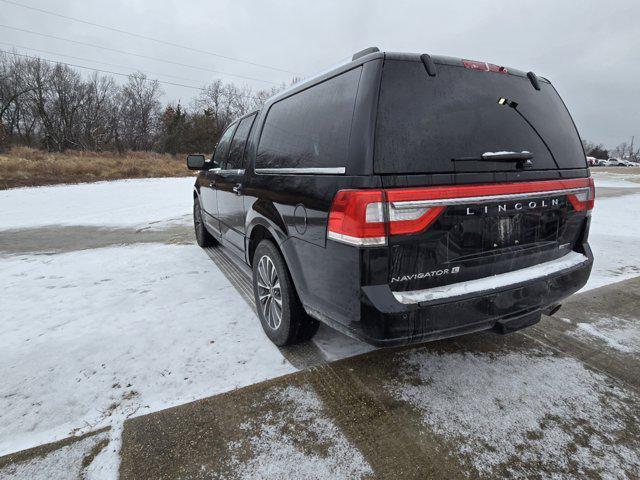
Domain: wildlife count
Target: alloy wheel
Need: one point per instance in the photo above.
(197, 217)
(269, 292)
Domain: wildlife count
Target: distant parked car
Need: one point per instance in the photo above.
(616, 162)
(591, 161)
(628, 163)
(602, 163)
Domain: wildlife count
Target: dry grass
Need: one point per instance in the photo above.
(25, 167)
(621, 170)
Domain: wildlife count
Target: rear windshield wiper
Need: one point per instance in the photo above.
(523, 159)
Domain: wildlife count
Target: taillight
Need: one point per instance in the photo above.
(357, 218)
(367, 217)
(583, 199)
(405, 218)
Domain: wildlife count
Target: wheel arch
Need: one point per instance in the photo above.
(258, 231)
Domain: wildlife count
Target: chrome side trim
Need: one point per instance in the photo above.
(572, 259)
(484, 199)
(301, 171)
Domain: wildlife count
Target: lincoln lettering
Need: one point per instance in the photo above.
(505, 207)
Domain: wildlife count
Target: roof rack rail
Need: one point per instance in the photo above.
(364, 52)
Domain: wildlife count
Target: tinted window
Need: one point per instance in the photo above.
(236, 152)
(423, 122)
(310, 128)
(220, 155)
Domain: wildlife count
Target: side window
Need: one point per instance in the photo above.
(220, 155)
(310, 128)
(236, 152)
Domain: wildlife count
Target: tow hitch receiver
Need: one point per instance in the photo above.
(510, 325)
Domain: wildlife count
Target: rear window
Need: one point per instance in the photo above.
(424, 122)
(310, 128)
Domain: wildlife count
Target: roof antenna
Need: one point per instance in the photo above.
(364, 52)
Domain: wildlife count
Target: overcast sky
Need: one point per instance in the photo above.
(590, 49)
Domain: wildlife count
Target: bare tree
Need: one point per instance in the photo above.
(54, 107)
(97, 111)
(621, 150)
(140, 111)
(12, 88)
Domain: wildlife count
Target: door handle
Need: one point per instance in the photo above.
(238, 189)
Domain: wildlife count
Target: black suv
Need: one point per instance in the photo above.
(401, 198)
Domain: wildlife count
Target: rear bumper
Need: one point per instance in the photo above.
(386, 321)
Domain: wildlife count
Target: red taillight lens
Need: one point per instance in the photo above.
(357, 217)
(584, 200)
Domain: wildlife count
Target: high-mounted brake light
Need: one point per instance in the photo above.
(483, 66)
(368, 217)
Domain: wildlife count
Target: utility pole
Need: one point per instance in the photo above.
(631, 152)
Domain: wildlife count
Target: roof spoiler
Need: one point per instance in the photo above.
(429, 65)
(364, 52)
(533, 78)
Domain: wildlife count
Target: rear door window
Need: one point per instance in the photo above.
(310, 128)
(222, 149)
(425, 122)
(236, 151)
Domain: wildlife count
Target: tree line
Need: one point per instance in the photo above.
(54, 108)
(624, 150)
(51, 106)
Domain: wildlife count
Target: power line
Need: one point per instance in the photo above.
(133, 54)
(113, 29)
(114, 73)
(97, 61)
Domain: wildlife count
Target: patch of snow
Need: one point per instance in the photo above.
(89, 334)
(614, 236)
(65, 463)
(618, 333)
(569, 260)
(517, 412)
(123, 203)
(277, 447)
(502, 152)
(614, 180)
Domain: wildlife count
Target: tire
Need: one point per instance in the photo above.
(203, 237)
(281, 314)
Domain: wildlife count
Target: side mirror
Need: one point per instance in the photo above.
(195, 162)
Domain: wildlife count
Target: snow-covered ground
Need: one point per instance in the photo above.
(616, 180)
(504, 410)
(91, 337)
(122, 203)
(615, 233)
(276, 446)
(96, 334)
